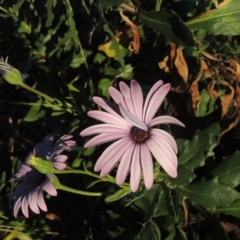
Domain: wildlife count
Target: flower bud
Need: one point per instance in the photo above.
(13, 76)
(42, 165)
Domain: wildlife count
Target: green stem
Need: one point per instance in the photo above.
(158, 5)
(72, 190)
(105, 179)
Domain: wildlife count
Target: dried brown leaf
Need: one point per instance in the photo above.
(234, 68)
(134, 45)
(231, 125)
(212, 91)
(229, 227)
(193, 89)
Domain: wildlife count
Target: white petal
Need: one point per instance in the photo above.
(166, 137)
(115, 150)
(154, 88)
(137, 98)
(165, 120)
(109, 118)
(103, 128)
(106, 105)
(156, 102)
(162, 158)
(125, 90)
(132, 119)
(135, 175)
(103, 138)
(124, 166)
(147, 166)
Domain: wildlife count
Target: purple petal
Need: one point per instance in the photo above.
(41, 202)
(154, 88)
(115, 150)
(165, 120)
(137, 98)
(147, 166)
(132, 119)
(156, 102)
(116, 96)
(124, 166)
(105, 137)
(106, 105)
(108, 118)
(32, 200)
(49, 188)
(102, 128)
(135, 175)
(24, 204)
(125, 90)
(166, 137)
(162, 158)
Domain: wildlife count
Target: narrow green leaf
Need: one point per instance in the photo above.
(192, 154)
(35, 112)
(228, 172)
(115, 46)
(118, 195)
(213, 222)
(169, 24)
(223, 20)
(148, 232)
(49, 5)
(172, 230)
(210, 194)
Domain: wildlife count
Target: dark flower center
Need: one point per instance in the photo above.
(138, 135)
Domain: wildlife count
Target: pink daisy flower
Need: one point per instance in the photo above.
(130, 121)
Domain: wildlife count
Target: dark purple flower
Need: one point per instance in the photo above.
(29, 192)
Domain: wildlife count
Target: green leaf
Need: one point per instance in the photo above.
(49, 5)
(110, 3)
(103, 86)
(172, 230)
(169, 24)
(115, 46)
(223, 20)
(118, 195)
(213, 222)
(148, 232)
(210, 194)
(80, 58)
(35, 112)
(193, 154)
(185, 176)
(233, 209)
(228, 171)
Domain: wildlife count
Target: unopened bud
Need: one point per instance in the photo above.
(42, 165)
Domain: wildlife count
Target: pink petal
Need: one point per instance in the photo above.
(32, 200)
(105, 105)
(123, 168)
(115, 150)
(102, 128)
(162, 158)
(24, 204)
(147, 166)
(137, 98)
(59, 165)
(61, 158)
(41, 202)
(105, 137)
(17, 206)
(49, 188)
(165, 120)
(167, 149)
(116, 96)
(156, 102)
(125, 90)
(154, 88)
(132, 119)
(135, 175)
(109, 118)
(166, 137)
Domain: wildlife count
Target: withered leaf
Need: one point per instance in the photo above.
(134, 45)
